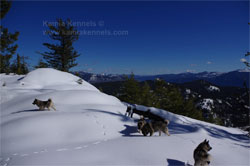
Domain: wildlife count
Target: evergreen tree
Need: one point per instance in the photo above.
(62, 55)
(41, 64)
(19, 66)
(246, 62)
(175, 102)
(7, 46)
(191, 111)
(5, 7)
(131, 90)
(160, 92)
(168, 97)
(24, 65)
(147, 97)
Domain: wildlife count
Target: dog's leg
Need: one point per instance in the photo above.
(166, 132)
(159, 132)
(53, 107)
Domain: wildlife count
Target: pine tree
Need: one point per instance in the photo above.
(5, 7)
(246, 62)
(168, 97)
(24, 65)
(191, 111)
(161, 93)
(62, 55)
(19, 66)
(131, 90)
(41, 64)
(147, 97)
(7, 39)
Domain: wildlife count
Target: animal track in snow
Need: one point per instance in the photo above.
(24, 155)
(95, 143)
(44, 150)
(63, 149)
(6, 161)
(78, 148)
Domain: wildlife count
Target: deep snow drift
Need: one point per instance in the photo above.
(89, 128)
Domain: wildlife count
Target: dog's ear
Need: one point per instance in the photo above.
(205, 140)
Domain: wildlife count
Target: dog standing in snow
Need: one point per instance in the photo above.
(201, 156)
(129, 112)
(140, 124)
(150, 127)
(44, 104)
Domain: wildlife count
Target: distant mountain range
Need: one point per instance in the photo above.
(234, 78)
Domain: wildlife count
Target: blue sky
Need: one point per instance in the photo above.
(159, 37)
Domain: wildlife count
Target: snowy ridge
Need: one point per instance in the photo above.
(89, 128)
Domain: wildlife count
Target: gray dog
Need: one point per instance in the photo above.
(44, 104)
(201, 156)
(150, 127)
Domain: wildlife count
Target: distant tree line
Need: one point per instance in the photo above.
(161, 95)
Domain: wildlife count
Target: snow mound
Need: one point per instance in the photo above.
(213, 88)
(47, 77)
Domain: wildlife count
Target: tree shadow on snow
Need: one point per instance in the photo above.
(33, 110)
(173, 162)
(121, 116)
(220, 133)
(177, 128)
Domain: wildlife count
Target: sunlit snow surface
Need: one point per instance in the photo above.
(89, 128)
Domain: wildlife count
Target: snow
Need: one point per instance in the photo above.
(247, 70)
(188, 91)
(211, 74)
(89, 128)
(219, 101)
(207, 104)
(213, 88)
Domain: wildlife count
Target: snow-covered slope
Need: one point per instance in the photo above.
(89, 128)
